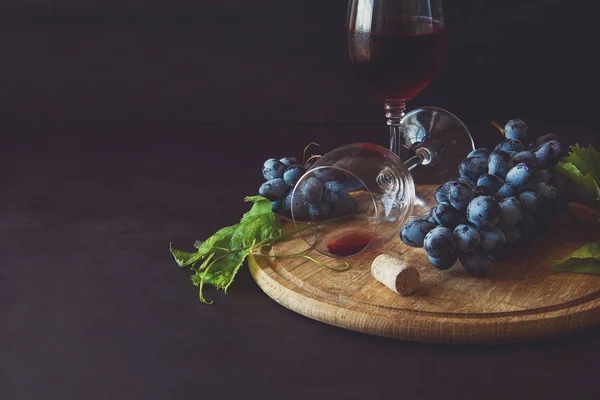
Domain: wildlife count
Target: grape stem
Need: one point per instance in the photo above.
(499, 127)
(306, 149)
(346, 265)
(313, 157)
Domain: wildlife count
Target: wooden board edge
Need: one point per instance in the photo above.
(411, 326)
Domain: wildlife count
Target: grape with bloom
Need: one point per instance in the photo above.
(323, 195)
(500, 199)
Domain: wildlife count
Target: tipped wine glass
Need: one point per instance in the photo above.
(357, 197)
(354, 198)
(396, 47)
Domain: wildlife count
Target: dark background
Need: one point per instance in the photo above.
(229, 61)
(126, 125)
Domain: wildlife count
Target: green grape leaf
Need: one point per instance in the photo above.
(184, 259)
(222, 238)
(585, 260)
(222, 271)
(225, 251)
(257, 225)
(582, 166)
(587, 160)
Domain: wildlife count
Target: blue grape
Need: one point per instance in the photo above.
(510, 145)
(440, 243)
(325, 174)
(522, 176)
(345, 204)
(499, 163)
(446, 215)
(527, 227)
(490, 181)
(525, 157)
(512, 235)
(292, 175)
(319, 212)
(276, 206)
(516, 129)
(413, 233)
(443, 263)
(555, 144)
(481, 152)
(286, 204)
(312, 190)
(273, 189)
(546, 191)
(309, 164)
(295, 206)
(545, 138)
(333, 190)
(507, 190)
(473, 167)
(484, 212)
(548, 154)
(272, 169)
(474, 263)
(288, 161)
(483, 191)
(545, 175)
(511, 211)
(492, 239)
(353, 184)
(467, 238)
(441, 194)
(460, 195)
(531, 202)
(432, 219)
(471, 184)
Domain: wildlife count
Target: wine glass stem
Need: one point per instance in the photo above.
(394, 112)
(413, 162)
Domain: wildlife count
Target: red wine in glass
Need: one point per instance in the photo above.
(350, 244)
(400, 61)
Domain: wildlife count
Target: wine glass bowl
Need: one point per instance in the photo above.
(396, 47)
(362, 194)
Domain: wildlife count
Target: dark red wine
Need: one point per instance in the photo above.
(400, 61)
(349, 244)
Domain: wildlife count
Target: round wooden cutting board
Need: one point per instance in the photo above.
(519, 300)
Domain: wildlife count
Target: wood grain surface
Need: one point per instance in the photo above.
(519, 300)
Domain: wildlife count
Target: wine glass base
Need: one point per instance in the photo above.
(447, 140)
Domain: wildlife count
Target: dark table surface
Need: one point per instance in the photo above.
(128, 126)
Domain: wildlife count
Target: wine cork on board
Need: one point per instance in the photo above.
(395, 274)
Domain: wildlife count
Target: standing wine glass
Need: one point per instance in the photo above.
(396, 48)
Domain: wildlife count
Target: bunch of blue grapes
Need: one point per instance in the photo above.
(501, 199)
(322, 195)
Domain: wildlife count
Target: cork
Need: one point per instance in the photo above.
(395, 274)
